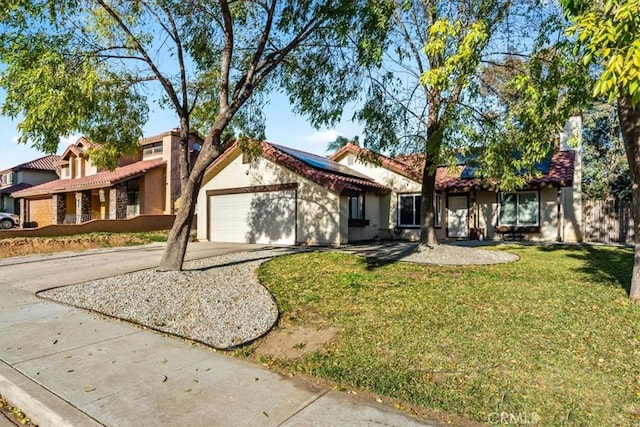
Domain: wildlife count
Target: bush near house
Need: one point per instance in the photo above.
(552, 338)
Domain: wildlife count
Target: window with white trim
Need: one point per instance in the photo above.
(151, 149)
(356, 207)
(519, 209)
(438, 209)
(409, 210)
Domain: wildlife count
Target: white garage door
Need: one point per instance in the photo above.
(264, 217)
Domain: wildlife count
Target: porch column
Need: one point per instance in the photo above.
(59, 203)
(118, 202)
(23, 212)
(83, 206)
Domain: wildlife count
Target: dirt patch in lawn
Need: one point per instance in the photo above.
(18, 246)
(293, 342)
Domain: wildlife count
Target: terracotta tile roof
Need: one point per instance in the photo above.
(46, 163)
(335, 181)
(156, 138)
(13, 188)
(99, 180)
(78, 148)
(560, 172)
(175, 132)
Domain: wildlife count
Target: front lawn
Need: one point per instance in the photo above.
(551, 338)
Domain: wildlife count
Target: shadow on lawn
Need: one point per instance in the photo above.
(605, 264)
(380, 254)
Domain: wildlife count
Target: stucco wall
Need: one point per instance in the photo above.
(317, 209)
(35, 177)
(372, 203)
(388, 205)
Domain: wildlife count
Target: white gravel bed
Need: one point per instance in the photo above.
(443, 254)
(217, 301)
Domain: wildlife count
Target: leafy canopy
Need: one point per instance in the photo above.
(95, 66)
(609, 33)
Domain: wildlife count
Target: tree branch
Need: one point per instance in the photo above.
(166, 84)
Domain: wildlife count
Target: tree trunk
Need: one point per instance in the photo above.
(431, 157)
(629, 117)
(427, 209)
(176, 249)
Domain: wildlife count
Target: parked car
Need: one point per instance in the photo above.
(9, 220)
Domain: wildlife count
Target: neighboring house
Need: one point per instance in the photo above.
(286, 196)
(146, 182)
(24, 176)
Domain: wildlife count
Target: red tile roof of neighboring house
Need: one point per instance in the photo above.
(46, 163)
(334, 181)
(13, 188)
(560, 172)
(78, 148)
(99, 180)
(175, 132)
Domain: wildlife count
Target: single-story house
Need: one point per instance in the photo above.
(286, 196)
(146, 182)
(24, 176)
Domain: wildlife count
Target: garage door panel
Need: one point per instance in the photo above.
(262, 217)
(41, 212)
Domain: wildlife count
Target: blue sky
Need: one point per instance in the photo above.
(282, 127)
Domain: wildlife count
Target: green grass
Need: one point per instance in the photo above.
(553, 335)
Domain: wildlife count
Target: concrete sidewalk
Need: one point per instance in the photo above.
(63, 366)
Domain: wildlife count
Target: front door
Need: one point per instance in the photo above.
(457, 216)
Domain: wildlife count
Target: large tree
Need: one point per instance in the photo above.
(462, 74)
(93, 67)
(609, 34)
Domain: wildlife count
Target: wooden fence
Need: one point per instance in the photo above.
(607, 221)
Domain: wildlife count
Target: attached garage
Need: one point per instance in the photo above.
(260, 214)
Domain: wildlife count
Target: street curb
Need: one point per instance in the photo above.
(39, 404)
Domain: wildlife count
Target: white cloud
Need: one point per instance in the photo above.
(15, 138)
(68, 140)
(321, 137)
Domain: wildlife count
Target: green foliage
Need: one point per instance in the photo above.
(486, 77)
(609, 33)
(605, 172)
(550, 334)
(92, 66)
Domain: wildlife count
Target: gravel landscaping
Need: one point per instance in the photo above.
(218, 301)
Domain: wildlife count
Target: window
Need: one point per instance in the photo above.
(519, 209)
(155, 148)
(356, 207)
(438, 207)
(409, 210)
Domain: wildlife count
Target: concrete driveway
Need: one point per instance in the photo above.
(67, 367)
(35, 273)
